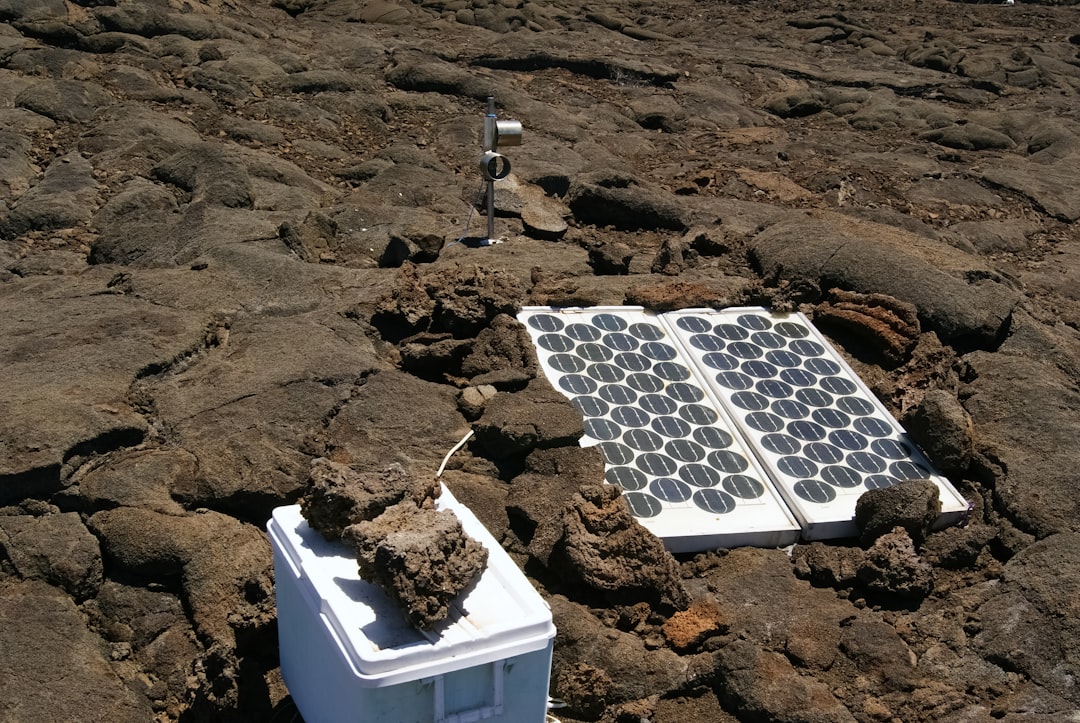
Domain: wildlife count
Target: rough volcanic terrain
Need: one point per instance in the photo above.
(229, 255)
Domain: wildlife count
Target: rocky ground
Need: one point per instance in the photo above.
(228, 249)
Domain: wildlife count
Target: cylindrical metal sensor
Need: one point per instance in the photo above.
(494, 166)
(507, 133)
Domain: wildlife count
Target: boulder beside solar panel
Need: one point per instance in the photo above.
(710, 420)
(685, 473)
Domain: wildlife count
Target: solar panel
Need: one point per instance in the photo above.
(821, 434)
(711, 420)
(666, 442)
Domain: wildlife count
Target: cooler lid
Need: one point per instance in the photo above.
(501, 615)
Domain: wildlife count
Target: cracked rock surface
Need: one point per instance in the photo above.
(229, 246)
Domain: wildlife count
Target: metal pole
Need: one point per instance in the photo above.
(491, 211)
(489, 145)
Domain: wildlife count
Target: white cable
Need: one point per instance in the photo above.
(453, 449)
(472, 210)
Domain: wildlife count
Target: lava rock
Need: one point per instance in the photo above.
(1031, 623)
(485, 495)
(887, 325)
(892, 566)
(16, 171)
(610, 259)
(153, 625)
(211, 173)
(223, 565)
(375, 427)
(609, 551)
(686, 629)
(503, 345)
(43, 627)
(339, 496)
(612, 199)
(796, 105)
(544, 217)
(957, 547)
(55, 548)
(421, 557)
(461, 300)
(433, 356)
(669, 295)
(879, 653)
(941, 426)
(585, 690)
(64, 198)
(64, 100)
(963, 314)
(154, 479)
(1023, 407)
(673, 258)
(537, 417)
(763, 685)
(831, 565)
(969, 137)
(539, 496)
(911, 504)
(471, 400)
(634, 670)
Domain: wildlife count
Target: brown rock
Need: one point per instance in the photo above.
(889, 326)
(635, 671)
(158, 632)
(503, 345)
(686, 629)
(822, 564)
(485, 496)
(535, 418)
(911, 504)
(585, 690)
(879, 653)
(673, 258)
(421, 557)
(611, 552)
(339, 496)
(941, 426)
(461, 299)
(611, 198)
(393, 417)
(670, 295)
(610, 259)
(471, 400)
(55, 548)
(223, 565)
(764, 685)
(543, 218)
(539, 496)
(150, 478)
(957, 547)
(892, 566)
(1032, 623)
(51, 666)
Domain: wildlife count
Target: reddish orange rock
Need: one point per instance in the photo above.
(687, 629)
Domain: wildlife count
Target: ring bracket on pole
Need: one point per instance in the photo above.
(494, 166)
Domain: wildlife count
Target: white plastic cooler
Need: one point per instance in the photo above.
(348, 654)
